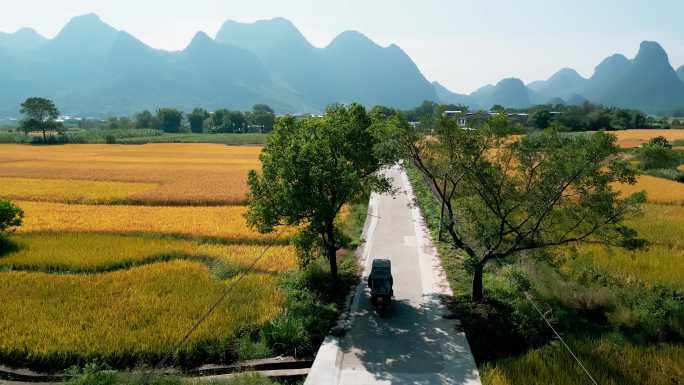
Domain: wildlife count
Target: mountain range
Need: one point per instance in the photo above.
(92, 69)
(647, 82)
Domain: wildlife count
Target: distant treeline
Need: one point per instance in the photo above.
(585, 117)
(171, 120)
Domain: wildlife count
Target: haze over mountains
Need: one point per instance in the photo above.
(92, 69)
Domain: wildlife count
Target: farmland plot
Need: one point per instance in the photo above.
(124, 247)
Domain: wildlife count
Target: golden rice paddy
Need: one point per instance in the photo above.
(70, 191)
(83, 252)
(662, 262)
(124, 247)
(138, 312)
(658, 190)
(635, 138)
(225, 222)
(608, 362)
(183, 173)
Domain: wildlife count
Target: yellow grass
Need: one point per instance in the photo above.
(635, 138)
(609, 363)
(140, 312)
(184, 173)
(73, 191)
(658, 190)
(225, 222)
(98, 252)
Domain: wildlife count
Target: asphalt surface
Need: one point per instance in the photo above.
(411, 343)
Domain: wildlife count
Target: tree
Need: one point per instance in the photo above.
(262, 116)
(10, 216)
(498, 109)
(145, 119)
(541, 119)
(169, 119)
(311, 168)
(41, 115)
(237, 121)
(505, 197)
(196, 119)
(658, 154)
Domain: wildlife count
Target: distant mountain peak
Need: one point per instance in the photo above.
(651, 53)
(352, 38)
(201, 38)
(565, 73)
(510, 82)
(24, 39)
(86, 27)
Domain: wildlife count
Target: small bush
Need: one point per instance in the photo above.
(248, 349)
(92, 374)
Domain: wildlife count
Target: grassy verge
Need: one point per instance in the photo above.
(626, 331)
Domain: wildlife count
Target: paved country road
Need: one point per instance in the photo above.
(412, 343)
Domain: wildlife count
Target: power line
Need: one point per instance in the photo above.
(529, 298)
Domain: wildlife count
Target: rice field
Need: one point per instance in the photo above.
(661, 263)
(610, 363)
(70, 191)
(635, 138)
(658, 190)
(83, 252)
(225, 222)
(183, 174)
(125, 315)
(123, 248)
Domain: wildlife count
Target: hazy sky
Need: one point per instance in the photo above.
(462, 44)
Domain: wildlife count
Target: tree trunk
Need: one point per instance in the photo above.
(331, 250)
(478, 292)
(44, 136)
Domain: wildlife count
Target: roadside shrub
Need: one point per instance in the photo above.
(311, 308)
(92, 374)
(248, 349)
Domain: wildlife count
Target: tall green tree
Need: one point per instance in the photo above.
(40, 115)
(196, 119)
(504, 198)
(311, 168)
(170, 119)
(145, 119)
(262, 116)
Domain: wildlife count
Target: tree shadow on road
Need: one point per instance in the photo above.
(409, 344)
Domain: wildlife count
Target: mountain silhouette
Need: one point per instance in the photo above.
(350, 68)
(509, 92)
(648, 82)
(24, 39)
(448, 97)
(92, 69)
(562, 84)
